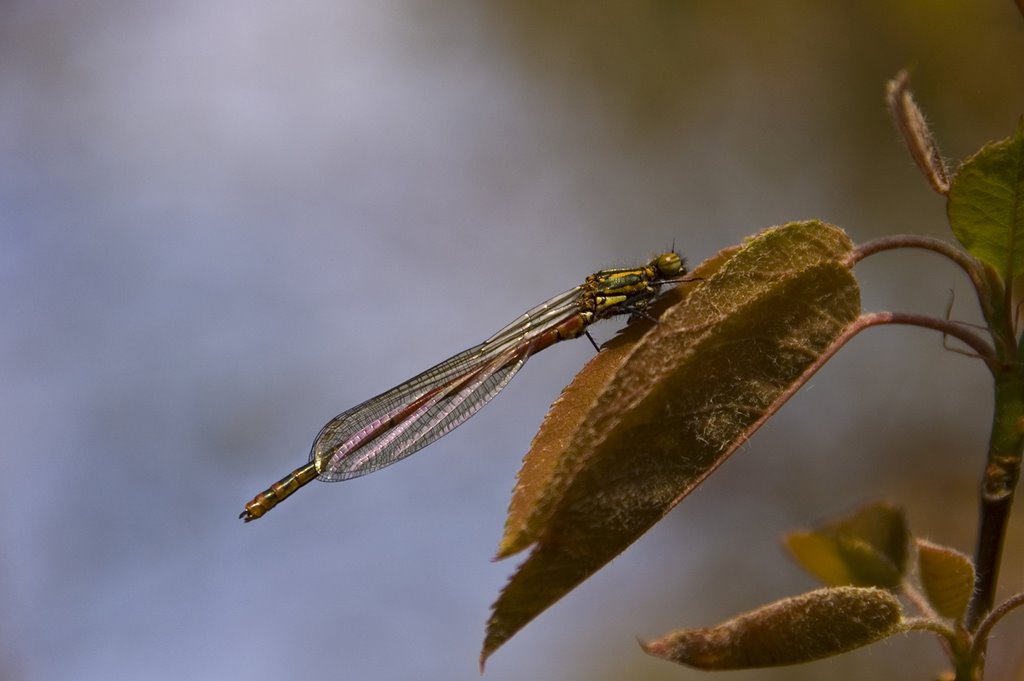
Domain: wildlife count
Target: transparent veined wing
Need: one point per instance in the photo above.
(403, 420)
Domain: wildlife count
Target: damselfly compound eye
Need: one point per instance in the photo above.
(669, 264)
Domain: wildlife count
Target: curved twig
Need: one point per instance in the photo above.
(932, 625)
(887, 243)
(947, 327)
(981, 636)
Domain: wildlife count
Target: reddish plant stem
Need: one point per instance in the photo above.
(995, 305)
(887, 243)
(945, 326)
(972, 340)
(940, 246)
(985, 628)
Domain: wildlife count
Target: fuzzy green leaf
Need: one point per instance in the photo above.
(842, 561)
(868, 548)
(947, 577)
(799, 629)
(663, 406)
(986, 205)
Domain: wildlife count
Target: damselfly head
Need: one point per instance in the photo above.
(669, 265)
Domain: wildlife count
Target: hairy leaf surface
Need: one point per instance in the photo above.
(663, 406)
(799, 629)
(947, 577)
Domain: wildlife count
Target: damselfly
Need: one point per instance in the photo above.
(403, 420)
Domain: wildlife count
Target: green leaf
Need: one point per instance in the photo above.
(986, 205)
(821, 556)
(842, 561)
(665, 404)
(868, 548)
(799, 629)
(947, 577)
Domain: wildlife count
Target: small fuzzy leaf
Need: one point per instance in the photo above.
(919, 138)
(868, 548)
(819, 555)
(799, 629)
(839, 561)
(665, 404)
(947, 577)
(986, 205)
(882, 526)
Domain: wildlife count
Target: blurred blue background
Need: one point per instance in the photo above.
(223, 223)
